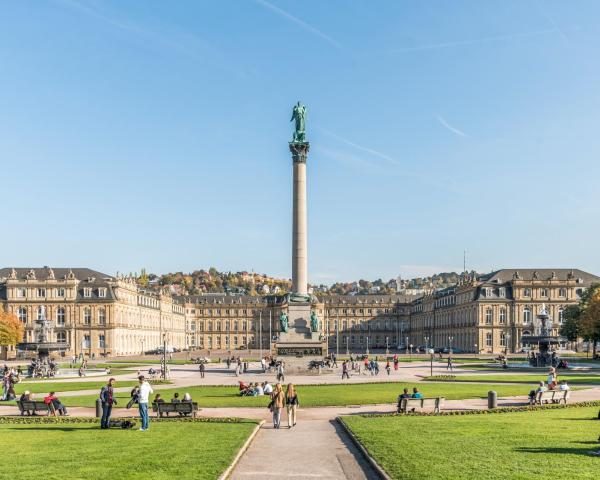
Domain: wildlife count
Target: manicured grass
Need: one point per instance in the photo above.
(530, 379)
(322, 395)
(522, 445)
(57, 386)
(182, 450)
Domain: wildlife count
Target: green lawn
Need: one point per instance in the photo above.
(57, 386)
(182, 450)
(530, 379)
(322, 395)
(523, 445)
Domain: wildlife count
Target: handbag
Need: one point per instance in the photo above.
(270, 406)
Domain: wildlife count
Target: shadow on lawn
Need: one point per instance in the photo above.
(557, 450)
(51, 429)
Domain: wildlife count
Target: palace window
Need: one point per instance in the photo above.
(489, 340)
(489, 316)
(502, 339)
(60, 292)
(101, 316)
(61, 337)
(40, 313)
(527, 292)
(102, 292)
(41, 292)
(502, 292)
(21, 292)
(544, 293)
(488, 292)
(87, 292)
(60, 316)
(87, 342)
(502, 317)
(87, 316)
(562, 292)
(210, 326)
(22, 314)
(526, 315)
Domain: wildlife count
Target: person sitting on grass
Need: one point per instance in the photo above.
(416, 393)
(57, 406)
(258, 389)
(175, 398)
(267, 388)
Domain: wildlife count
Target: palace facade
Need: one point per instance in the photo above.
(97, 314)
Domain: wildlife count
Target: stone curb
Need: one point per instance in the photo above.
(225, 475)
(380, 471)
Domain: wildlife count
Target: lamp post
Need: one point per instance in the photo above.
(347, 350)
(476, 351)
(426, 343)
(410, 351)
(407, 345)
(431, 361)
(450, 344)
(367, 345)
(164, 359)
(387, 348)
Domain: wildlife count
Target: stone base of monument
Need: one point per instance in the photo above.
(299, 347)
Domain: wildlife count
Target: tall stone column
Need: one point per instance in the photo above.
(299, 228)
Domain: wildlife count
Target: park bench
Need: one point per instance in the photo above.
(33, 406)
(407, 404)
(554, 396)
(182, 408)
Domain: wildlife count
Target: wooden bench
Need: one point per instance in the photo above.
(555, 396)
(407, 404)
(33, 406)
(182, 408)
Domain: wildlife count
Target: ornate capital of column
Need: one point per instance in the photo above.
(299, 151)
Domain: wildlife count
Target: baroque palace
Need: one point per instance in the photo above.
(97, 314)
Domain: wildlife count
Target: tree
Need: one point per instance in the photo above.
(143, 278)
(11, 330)
(583, 320)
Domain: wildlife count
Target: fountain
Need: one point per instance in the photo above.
(544, 339)
(43, 365)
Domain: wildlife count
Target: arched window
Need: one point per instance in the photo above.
(87, 316)
(101, 316)
(22, 314)
(61, 337)
(527, 315)
(60, 316)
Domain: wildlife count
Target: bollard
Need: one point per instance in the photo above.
(98, 408)
(492, 399)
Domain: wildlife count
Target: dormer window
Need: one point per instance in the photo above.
(502, 292)
(87, 292)
(102, 292)
(488, 292)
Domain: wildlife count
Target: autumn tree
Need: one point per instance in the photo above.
(11, 329)
(583, 320)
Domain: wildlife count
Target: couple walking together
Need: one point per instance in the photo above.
(279, 399)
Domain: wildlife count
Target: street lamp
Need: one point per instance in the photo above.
(347, 350)
(407, 345)
(426, 343)
(410, 351)
(367, 345)
(476, 350)
(387, 348)
(431, 361)
(450, 344)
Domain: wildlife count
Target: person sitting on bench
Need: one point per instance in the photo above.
(416, 393)
(27, 397)
(52, 399)
(175, 398)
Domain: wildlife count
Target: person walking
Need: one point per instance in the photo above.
(345, 370)
(280, 373)
(334, 359)
(388, 368)
(449, 364)
(202, 368)
(144, 392)
(108, 399)
(291, 400)
(277, 404)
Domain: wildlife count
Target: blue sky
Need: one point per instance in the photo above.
(154, 134)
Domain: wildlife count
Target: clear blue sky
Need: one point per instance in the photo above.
(154, 134)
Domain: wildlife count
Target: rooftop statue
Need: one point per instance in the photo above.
(299, 115)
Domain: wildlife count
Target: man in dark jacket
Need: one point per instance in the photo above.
(108, 399)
